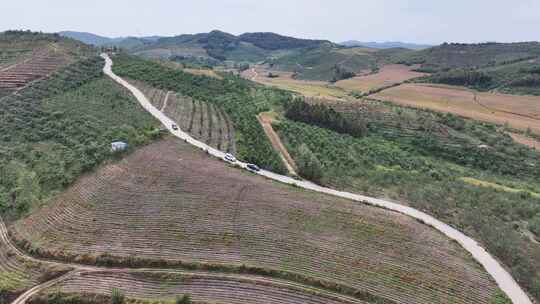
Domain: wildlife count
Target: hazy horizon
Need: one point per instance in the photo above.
(414, 21)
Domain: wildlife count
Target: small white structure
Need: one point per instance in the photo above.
(118, 146)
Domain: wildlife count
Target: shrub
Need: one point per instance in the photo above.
(117, 297)
(463, 77)
(185, 299)
(534, 226)
(309, 165)
(326, 117)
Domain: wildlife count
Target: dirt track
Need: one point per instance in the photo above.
(266, 120)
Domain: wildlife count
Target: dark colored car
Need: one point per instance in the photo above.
(175, 127)
(254, 168)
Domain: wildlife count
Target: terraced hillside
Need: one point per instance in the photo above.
(204, 121)
(202, 287)
(26, 57)
(169, 205)
(18, 275)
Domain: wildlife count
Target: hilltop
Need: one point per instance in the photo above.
(385, 45)
(26, 57)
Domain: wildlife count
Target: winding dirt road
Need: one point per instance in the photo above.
(503, 278)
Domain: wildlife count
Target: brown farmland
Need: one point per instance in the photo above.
(285, 81)
(520, 112)
(388, 75)
(167, 201)
(203, 287)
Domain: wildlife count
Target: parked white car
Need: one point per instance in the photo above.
(229, 158)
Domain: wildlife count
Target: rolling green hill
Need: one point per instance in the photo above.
(505, 67)
(251, 47)
(457, 55)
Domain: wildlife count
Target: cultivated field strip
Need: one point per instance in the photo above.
(207, 288)
(167, 201)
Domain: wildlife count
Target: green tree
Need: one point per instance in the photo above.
(534, 226)
(309, 165)
(185, 299)
(117, 297)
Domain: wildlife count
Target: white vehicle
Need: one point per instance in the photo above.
(253, 168)
(229, 158)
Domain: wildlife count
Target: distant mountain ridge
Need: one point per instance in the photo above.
(263, 40)
(97, 40)
(386, 45)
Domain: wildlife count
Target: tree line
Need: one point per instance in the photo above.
(325, 117)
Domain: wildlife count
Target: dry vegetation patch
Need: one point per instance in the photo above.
(168, 201)
(388, 75)
(285, 81)
(520, 112)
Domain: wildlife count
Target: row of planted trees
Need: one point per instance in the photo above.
(241, 100)
(325, 117)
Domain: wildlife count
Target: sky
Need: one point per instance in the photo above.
(417, 21)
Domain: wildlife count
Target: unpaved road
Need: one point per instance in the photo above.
(165, 101)
(492, 266)
(265, 119)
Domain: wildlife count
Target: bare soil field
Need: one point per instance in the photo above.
(285, 81)
(205, 288)
(520, 112)
(167, 201)
(388, 75)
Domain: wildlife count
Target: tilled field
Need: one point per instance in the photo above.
(206, 288)
(167, 201)
(388, 75)
(204, 121)
(15, 275)
(18, 275)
